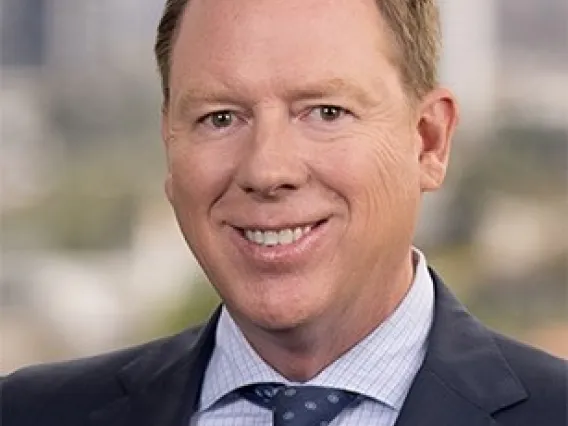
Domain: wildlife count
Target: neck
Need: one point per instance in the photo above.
(302, 353)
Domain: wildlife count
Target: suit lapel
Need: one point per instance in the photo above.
(163, 386)
(432, 403)
(464, 378)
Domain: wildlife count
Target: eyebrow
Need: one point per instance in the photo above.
(201, 95)
(329, 88)
(317, 90)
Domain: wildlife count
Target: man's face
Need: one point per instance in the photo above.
(294, 157)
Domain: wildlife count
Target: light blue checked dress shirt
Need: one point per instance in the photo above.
(381, 367)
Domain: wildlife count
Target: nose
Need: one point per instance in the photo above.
(273, 164)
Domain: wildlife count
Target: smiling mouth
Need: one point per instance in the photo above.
(279, 237)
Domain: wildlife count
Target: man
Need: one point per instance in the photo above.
(300, 136)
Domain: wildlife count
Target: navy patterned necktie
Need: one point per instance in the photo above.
(299, 405)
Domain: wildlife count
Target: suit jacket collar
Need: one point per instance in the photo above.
(463, 380)
(162, 386)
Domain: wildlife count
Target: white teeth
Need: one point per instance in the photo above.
(272, 238)
(286, 236)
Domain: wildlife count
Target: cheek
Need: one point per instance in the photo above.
(396, 172)
(199, 175)
(374, 172)
(197, 181)
(198, 178)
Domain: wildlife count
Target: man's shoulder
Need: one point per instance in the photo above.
(94, 367)
(63, 373)
(515, 383)
(533, 366)
(79, 385)
(543, 376)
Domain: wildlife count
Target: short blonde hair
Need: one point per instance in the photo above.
(414, 26)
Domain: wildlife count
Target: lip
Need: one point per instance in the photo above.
(293, 254)
(272, 226)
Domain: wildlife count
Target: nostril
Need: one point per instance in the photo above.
(288, 186)
(270, 191)
(275, 190)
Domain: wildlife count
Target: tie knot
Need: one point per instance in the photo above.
(299, 405)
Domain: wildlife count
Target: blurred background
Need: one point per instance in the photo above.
(92, 259)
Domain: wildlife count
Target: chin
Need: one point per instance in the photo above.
(284, 316)
(282, 323)
(277, 304)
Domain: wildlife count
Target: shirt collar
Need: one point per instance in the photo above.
(382, 366)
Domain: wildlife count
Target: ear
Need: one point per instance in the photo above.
(437, 119)
(167, 140)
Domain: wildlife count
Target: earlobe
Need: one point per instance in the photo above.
(436, 126)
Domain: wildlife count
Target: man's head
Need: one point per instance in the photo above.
(296, 161)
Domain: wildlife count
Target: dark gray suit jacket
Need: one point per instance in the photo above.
(471, 377)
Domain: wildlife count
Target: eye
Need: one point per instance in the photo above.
(330, 112)
(218, 119)
(327, 113)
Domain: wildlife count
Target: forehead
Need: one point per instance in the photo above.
(265, 42)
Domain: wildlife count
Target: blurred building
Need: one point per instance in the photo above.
(75, 75)
(534, 40)
(507, 56)
(80, 51)
(470, 61)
